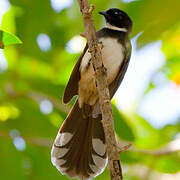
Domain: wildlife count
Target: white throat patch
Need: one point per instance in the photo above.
(116, 28)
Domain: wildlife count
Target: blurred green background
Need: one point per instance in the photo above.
(33, 77)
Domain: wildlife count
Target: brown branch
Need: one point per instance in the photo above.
(103, 91)
(124, 148)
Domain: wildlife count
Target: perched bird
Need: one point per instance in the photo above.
(79, 149)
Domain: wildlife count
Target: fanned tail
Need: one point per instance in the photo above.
(79, 149)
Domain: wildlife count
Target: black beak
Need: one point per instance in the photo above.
(103, 13)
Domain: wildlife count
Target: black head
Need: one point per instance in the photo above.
(117, 18)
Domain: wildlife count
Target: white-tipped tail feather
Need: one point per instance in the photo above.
(79, 149)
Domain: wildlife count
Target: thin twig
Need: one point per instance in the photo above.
(124, 148)
(103, 91)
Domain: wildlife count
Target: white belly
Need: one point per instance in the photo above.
(112, 55)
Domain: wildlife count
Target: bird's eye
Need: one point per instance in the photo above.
(116, 13)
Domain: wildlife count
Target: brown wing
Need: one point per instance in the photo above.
(116, 83)
(72, 86)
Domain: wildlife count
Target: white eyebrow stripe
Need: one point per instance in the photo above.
(116, 28)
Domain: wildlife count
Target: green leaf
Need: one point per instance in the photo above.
(168, 164)
(7, 38)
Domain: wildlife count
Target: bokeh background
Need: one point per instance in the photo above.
(33, 77)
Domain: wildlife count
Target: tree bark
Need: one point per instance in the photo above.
(103, 91)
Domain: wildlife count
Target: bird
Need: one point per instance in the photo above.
(79, 149)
